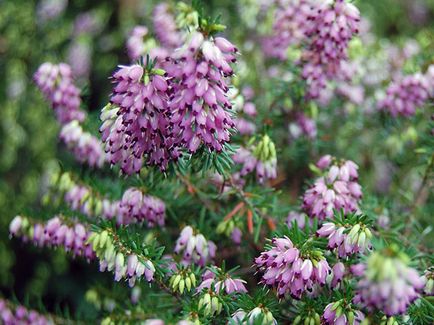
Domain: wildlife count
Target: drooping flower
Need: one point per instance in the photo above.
(135, 42)
(50, 9)
(338, 271)
(11, 314)
(340, 313)
(303, 126)
(55, 232)
(199, 102)
(221, 282)
(85, 147)
(299, 217)
(211, 304)
(80, 57)
(138, 207)
(139, 43)
(245, 127)
(135, 125)
(182, 280)
(260, 313)
(55, 82)
(195, 247)
(389, 284)
(403, 97)
(114, 257)
(346, 239)
(165, 26)
(291, 271)
(260, 158)
(338, 189)
(333, 24)
(80, 197)
(87, 23)
(291, 20)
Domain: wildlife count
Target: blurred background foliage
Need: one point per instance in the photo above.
(29, 36)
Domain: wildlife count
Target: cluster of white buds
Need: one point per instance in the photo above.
(113, 256)
(183, 280)
(259, 315)
(210, 303)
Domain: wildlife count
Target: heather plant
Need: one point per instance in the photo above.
(247, 162)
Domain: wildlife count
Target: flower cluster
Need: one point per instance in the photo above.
(134, 206)
(80, 197)
(338, 272)
(80, 57)
(50, 9)
(262, 159)
(211, 304)
(56, 83)
(165, 26)
(196, 248)
(138, 207)
(12, 315)
(55, 232)
(221, 283)
(311, 317)
(182, 280)
(389, 284)
(136, 122)
(154, 113)
(230, 229)
(337, 189)
(291, 21)
(303, 126)
(199, 103)
(258, 314)
(113, 256)
(298, 217)
(340, 313)
(346, 239)
(333, 23)
(135, 42)
(85, 147)
(290, 270)
(403, 97)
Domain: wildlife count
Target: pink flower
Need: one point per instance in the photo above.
(195, 247)
(85, 147)
(403, 97)
(284, 267)
(138, 207)
(165, 26)
(55, 82)
(388, 284)
(337, 189)
(333, 25)
(225, 283)
(135, 125)
(199, 104)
